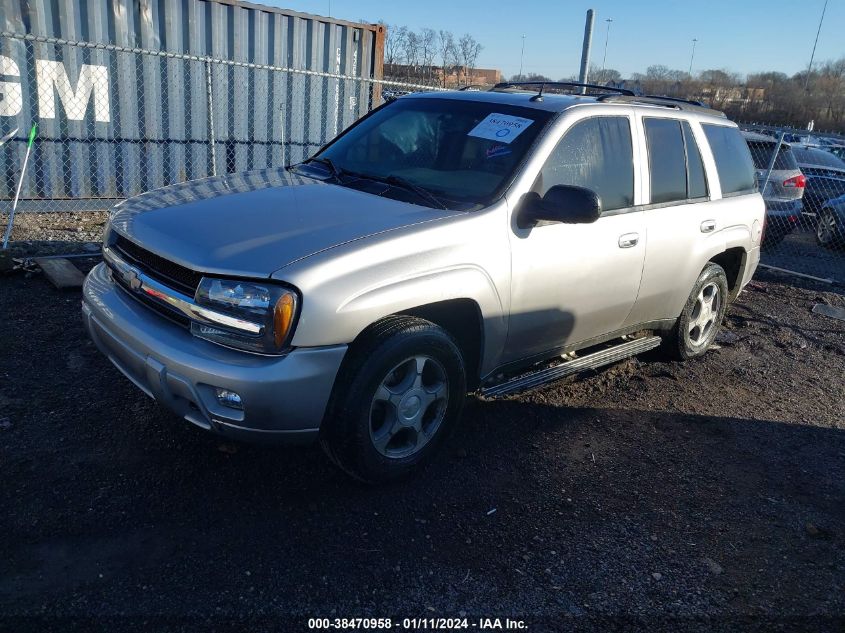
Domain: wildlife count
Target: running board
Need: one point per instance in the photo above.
(595, 360)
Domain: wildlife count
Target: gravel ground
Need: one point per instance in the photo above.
(55, 227)
(799, 251)
(705, 495)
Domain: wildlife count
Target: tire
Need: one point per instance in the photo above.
(696, 328)
(827, 229)
(399, 392)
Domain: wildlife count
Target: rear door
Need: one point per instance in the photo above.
(678, 216)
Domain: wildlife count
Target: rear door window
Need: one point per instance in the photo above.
(666, 160)
(733, 159)
(597, 154)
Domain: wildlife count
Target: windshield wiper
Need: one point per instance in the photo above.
(393, 180)
(422, 192)
(402, 183)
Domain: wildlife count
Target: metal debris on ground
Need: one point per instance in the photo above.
(60, 272)
(829, 311)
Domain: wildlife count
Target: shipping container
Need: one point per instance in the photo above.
(130, 95)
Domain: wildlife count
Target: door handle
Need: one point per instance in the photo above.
(628, 240)
(708, 226)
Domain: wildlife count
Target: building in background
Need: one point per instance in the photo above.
(452, 77)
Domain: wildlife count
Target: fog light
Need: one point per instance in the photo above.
(229, 399)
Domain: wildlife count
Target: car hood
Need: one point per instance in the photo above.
(253, 223)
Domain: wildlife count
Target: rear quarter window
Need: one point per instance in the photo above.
(733, 160)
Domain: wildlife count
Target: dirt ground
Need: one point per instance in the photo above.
(707, 495)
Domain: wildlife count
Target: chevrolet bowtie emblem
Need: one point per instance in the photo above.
(132, 277)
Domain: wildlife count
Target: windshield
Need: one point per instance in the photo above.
(437, 152)
(818, 157)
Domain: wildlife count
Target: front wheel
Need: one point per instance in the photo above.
(701, 317)
(400, 390)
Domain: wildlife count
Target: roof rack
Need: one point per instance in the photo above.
(568, 84)
(686, 105)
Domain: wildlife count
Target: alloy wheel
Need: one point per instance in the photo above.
(704, 314)
(826, 229)
(409, 406)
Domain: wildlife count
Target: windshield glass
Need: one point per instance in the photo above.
(817, 157)
(463, 153)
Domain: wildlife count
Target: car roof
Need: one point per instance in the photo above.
(551, 102)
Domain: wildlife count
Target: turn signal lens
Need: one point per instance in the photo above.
(283, 318)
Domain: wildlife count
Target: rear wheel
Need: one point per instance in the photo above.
(701, 317)
(399, 392)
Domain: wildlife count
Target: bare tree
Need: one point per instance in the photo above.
(469, 49)
(394, 44)
(448, 53)
(427, 42)
(411, 51)
(603, 76)
(530, 77)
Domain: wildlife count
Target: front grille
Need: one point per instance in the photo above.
(168, 313)
(167, 272)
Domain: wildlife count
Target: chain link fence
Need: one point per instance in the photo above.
(115, 121)
(802, 180)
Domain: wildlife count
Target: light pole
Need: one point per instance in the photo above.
(606, 38)
(521, 57)
(692, 56)
(813, 54)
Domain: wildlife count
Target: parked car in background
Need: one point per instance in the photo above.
(825, 175)
(784, 188)
(830, 229)
(838, 151)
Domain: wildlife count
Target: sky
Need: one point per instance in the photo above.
(741, 36)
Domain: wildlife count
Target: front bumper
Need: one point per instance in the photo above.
(284, 397)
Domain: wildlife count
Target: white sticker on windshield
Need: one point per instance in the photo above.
(500, 127)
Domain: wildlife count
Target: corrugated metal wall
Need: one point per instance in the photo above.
(155, 128)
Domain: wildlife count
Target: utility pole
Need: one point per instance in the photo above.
(585, 51)
(606, 38)
(521, 58)
(692, 56)
(813, 54)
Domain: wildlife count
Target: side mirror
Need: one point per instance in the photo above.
(566, 204)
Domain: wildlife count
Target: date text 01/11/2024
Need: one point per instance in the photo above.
(413, 624)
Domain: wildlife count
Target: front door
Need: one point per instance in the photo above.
(573, 282)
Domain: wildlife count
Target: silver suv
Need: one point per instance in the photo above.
(782, 187)
(445, 243)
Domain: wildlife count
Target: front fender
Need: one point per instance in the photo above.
(347, 289)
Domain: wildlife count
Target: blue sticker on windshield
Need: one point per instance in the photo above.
(500, 127)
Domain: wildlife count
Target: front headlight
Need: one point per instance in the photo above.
(262, 314)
